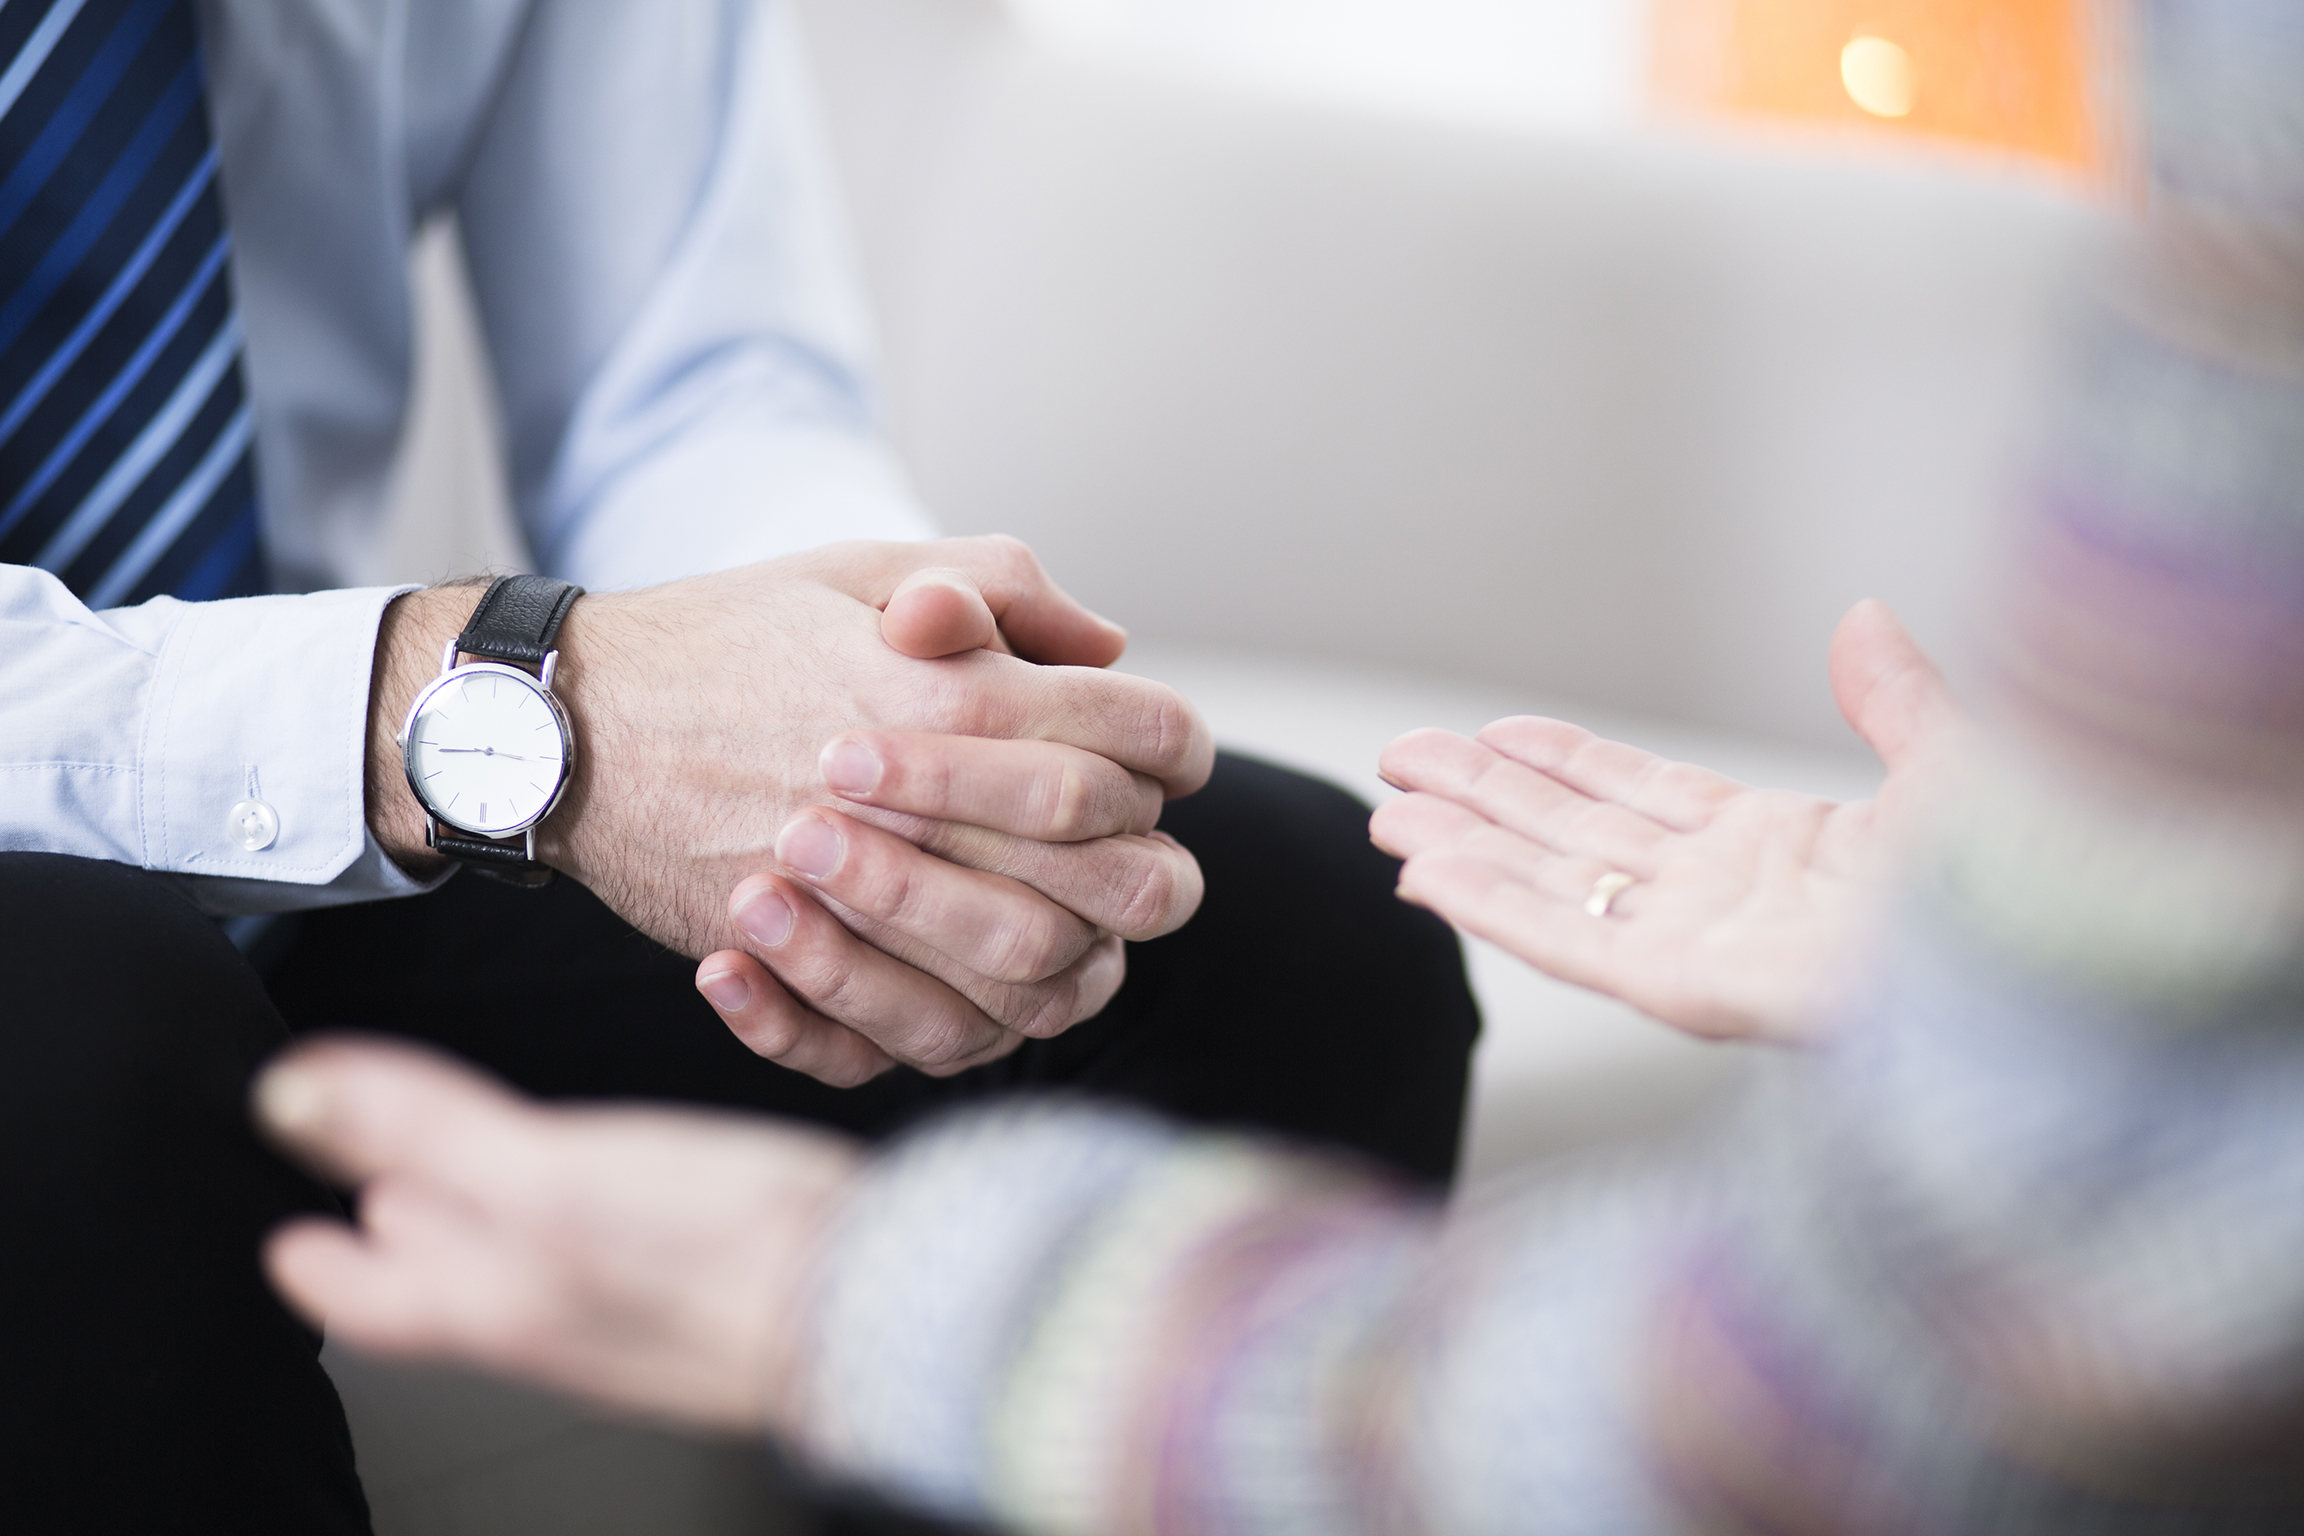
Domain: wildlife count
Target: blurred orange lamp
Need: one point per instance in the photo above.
(2017, 75)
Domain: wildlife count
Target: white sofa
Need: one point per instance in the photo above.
(1359, 423)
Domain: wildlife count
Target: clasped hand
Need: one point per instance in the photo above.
(888, 792)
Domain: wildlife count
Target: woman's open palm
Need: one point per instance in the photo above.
(1740, 898)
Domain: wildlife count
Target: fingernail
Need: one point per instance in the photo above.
(766, 919)
(851, 768)
(811, 846)
(290, 1099)
(727, 991)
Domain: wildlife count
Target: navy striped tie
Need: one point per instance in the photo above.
(124, 424)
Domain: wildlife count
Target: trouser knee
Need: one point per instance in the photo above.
(133, 1024)
(154, 1380)
(1305, 997)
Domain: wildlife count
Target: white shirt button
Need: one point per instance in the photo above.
(254, 825)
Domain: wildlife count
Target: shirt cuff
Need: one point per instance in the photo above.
(260, 705)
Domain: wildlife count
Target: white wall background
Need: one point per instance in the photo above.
(1611, 415)
(1624, 417)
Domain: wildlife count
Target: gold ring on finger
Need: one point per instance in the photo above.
(1605, 890)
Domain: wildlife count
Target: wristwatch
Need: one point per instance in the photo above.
(487, 748)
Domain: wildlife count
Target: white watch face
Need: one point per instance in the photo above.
(485, 750)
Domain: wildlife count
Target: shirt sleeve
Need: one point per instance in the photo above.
(131, 734)
(656, 253)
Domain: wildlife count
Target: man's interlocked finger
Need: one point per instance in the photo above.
(1140, 724)
(1037, 789)
(907, 1013)
(1136, 887)
(1039, 617)
(996, 927)
(774, 1024)
(938, 612)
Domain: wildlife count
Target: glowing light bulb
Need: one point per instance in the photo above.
(1879, 76)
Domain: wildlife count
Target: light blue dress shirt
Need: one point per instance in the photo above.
(677, 341)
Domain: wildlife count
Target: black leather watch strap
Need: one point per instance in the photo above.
(508, 862)
(518, 619)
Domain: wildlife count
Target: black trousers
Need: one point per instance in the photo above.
(151, 1382)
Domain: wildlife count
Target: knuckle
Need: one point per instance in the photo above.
(952, 697)
(971, 1060)
(1029, 949)
(946, 1046)
(1153, 889)
(1172, 725)
(772, 1037)
(934, 780)
(1047, 1010)
(1092, 984)
(940, 707)
(1148, 725)
(1071, 799)
(856, 1074)
(830, 979)
(997, 560)
(894, 886)
(1012, 555)
(1150, 801)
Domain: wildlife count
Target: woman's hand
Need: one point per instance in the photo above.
(1739, 898)
(650, 1259)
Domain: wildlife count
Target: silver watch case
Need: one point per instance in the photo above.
(542, 688)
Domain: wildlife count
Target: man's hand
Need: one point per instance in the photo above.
(650, 1259)
(934, 923)
(1742, 897)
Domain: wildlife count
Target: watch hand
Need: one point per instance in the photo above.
(490, 751)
